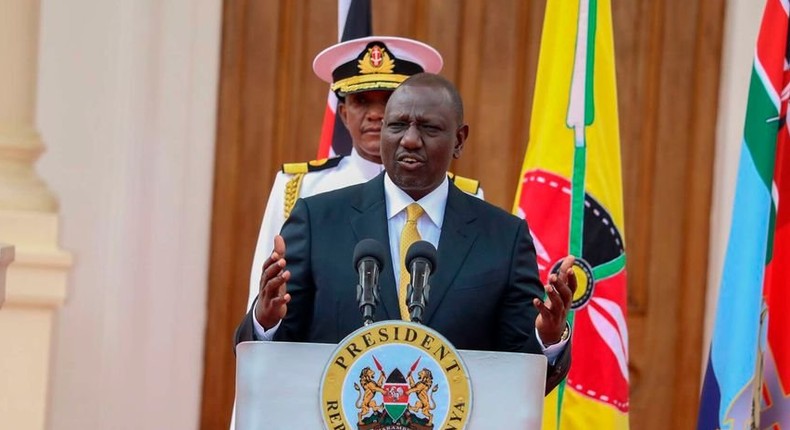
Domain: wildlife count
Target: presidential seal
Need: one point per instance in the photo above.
(395, 375)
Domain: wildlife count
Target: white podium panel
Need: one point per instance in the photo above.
(277, 387)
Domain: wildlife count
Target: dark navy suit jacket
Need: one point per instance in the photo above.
(481, 291)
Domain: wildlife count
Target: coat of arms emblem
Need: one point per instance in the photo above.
(395, 375)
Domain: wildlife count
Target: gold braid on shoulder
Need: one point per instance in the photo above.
(292, 193)
(294, 185)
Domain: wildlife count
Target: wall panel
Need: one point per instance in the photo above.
(668, 56)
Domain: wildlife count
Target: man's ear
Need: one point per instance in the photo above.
(342, 112)
(460, 139)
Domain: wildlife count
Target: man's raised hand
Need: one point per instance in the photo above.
(272, 303)
(554, 310)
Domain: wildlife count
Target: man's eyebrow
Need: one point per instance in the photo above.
(400, 115)
(417, 117)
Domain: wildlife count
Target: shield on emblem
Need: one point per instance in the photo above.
(376, 56)
(396, 398)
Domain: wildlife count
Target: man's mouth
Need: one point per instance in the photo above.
(410, 162)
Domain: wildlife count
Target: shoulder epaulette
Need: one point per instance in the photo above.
(298, 170)
(467, 185)
(311, 166)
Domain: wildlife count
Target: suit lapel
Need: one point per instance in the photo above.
(371, 222)
(459, 232)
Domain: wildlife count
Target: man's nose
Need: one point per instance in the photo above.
(411, 137)
(376, 112)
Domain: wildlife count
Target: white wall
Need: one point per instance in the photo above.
(740, 37)
(126, 105)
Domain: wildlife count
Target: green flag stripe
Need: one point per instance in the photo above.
(560, 393)
(589, 93)
(561, 387)
(611, 268)
(769, 252)
(578, 180)
(761, 128)
(575, 244)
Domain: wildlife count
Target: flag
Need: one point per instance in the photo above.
(570, 193)
(747, 378)
(353, 22)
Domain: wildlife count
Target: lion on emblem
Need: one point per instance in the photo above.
(422, 389)
(368, 389)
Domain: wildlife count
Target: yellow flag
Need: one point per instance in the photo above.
(570, 193)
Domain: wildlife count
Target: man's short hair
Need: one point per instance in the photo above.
(434, 80)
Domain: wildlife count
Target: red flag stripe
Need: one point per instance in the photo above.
(770, 54)
(327, 130)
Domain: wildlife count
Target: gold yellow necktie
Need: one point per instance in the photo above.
(408, 236)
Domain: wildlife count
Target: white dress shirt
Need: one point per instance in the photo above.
(429, 224)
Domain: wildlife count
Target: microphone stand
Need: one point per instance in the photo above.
(418, 296)
(367, 290)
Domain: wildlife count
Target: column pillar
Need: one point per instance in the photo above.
(35, 283)
(6, 257)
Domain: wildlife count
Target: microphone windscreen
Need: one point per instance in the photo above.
(421, 249)
(369, 248)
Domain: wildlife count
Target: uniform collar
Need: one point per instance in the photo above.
(368, 168)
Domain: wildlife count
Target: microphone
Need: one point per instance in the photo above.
(369, 261)
(421, 261)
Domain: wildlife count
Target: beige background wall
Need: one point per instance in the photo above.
(127, 108)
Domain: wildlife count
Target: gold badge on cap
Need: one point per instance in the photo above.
(376, 60)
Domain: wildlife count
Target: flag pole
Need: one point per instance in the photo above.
(758, 375)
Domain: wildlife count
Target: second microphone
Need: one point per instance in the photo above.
(421, 262)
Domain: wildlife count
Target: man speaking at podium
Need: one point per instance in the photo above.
(485, 293)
